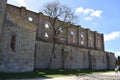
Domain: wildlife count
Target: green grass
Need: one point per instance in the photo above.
(46, 74)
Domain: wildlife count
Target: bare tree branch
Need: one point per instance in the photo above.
(59, 16)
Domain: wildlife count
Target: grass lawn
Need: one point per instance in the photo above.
(46, 74)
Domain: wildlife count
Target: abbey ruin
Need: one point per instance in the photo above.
(25, 44)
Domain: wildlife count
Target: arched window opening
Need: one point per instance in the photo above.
(12, 43)
(46, 35)
(47, 29)
(98, 42)
(90, 41)
(72, 36)
(47, 25)
(72, 32)
(82, 39)
(30, 19)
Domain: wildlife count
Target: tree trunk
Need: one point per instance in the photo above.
(52, 54)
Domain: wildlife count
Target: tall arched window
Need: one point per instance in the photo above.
(12, 43)
(98, 42)
(90, 41)
(46, 25)
(46, 29)
(82, 38)
(72, 36)
(46, 34)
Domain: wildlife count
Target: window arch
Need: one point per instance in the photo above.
(46, 27)
(12, 43)
(46, 34)
(12, 37)
(30, 19)
(72, 36)
(90, 41)
(82, 38)
(98, 43)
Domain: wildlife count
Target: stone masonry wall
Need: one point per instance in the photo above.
(18, 44)
(2, 13)
(69, 57)
(111, 61)
(97, 60)
(72, 36)
(26, 44)
(75, 58)
(42, 56)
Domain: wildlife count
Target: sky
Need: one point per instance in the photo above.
(102, 16)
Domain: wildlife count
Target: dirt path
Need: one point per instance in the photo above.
(102, 76)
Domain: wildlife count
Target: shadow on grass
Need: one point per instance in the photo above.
(44, 74)
(26, 75)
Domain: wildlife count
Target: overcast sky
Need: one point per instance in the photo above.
(102, 16)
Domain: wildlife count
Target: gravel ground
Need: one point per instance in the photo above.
(102, 76)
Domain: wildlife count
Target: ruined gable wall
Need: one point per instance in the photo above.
(76, 55)
(18, 44)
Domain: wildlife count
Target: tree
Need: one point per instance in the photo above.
(58, 16)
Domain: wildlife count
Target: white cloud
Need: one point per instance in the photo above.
(111, 36)
(89, 13)
(88, 18)
(96, 13)
(21, 2)
(79, 10)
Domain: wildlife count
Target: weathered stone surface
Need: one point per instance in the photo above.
(24, 45)
(43, 53)
(22, 58)
(69, 57)
(98, 60)
(2, 13)
(111, 60)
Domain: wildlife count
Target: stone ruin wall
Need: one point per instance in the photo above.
(72, 36)
(17, 44)
(77, 48)
(2, 13)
